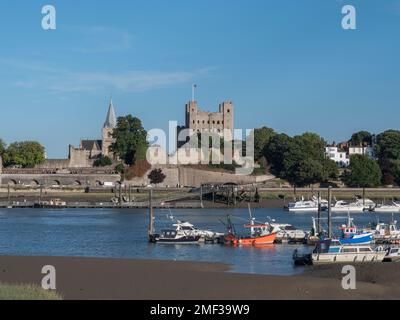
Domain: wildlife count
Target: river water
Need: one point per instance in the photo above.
(110, 233)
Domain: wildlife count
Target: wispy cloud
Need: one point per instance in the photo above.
(62, 81)
(101, 39)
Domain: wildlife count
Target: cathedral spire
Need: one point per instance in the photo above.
(111, 120)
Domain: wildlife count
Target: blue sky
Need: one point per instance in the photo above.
(285, 64)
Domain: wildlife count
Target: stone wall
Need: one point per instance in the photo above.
(190, 177)
(35, 180)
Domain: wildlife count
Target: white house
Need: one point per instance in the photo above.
(340, 157)
(364, 151)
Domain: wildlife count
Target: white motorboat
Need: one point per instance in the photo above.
(393, 254)
(387, 208)
(344, 206)
(287, 232)
(186, 233)
(307, 205)
(328, 251)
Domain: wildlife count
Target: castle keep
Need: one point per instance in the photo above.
(199, 121)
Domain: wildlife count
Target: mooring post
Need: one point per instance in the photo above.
(40, 194)
(151, 214)
(329, 212)
(201, 196)
(364, 196)
(319, 213)
(9, 195)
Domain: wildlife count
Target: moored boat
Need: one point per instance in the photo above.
(386, 208)
(393, 254)
(351, 236)
(307, 205)
(186, 233)
(357, 206)
(329, 251)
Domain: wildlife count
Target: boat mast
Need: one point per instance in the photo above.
(251, 219)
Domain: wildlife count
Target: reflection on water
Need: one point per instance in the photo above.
(123, 234)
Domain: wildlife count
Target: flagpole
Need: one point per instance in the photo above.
(193, 92)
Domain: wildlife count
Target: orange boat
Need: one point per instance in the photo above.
(260, 233)
(260, 240)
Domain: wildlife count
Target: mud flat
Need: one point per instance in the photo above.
(88, 278)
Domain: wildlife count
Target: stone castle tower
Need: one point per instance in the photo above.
(199, 121)
(109, 125)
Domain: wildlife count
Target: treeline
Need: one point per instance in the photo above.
(301, 159)
(26, 154)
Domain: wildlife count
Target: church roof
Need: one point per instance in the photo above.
(111, 120)
(91, 145)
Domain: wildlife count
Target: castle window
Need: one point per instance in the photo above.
(194, 122)
(208, 122)
(204, 122)
(229, 110)
(218, 122)
(213, 122)
(198, 121)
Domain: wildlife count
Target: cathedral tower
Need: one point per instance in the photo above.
(109, 125)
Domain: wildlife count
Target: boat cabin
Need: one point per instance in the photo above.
(168, 234)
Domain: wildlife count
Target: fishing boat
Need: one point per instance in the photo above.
(260, 233)
(307, 205)
(351, 236)
(330, 251)
(385, 232)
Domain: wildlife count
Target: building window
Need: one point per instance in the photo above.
(218, 122)
(194, 122)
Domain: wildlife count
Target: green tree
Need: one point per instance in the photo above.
(103, 161)
(360, 138)
(130, 139)
(276, 151)
(300, 160)
(363, 172)
(305, 172)
(262, 137)
(156, 176)
(330, 170)
(388, 152)
(25, 154)
(2, 147)
(311, 145)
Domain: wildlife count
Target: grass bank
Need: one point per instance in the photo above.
(26, 292)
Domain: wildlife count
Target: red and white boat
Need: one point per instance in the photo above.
(260, 234)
